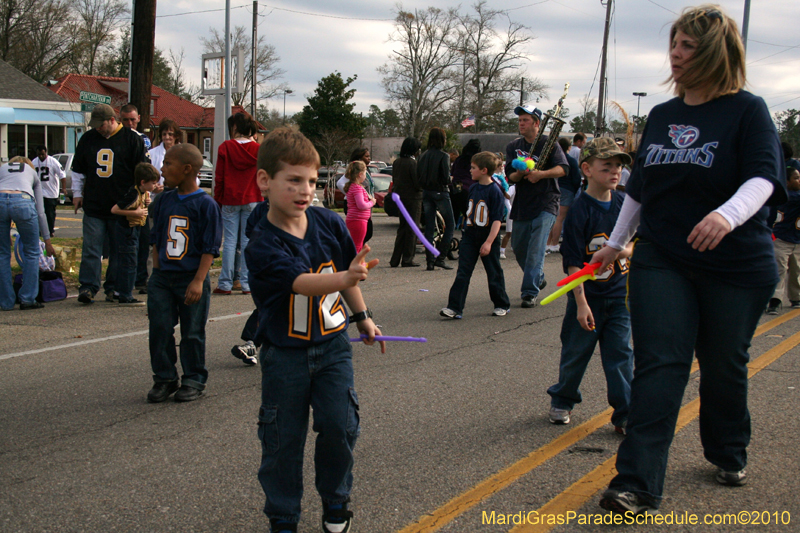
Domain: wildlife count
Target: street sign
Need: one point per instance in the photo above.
(94, 98)
(87, 108)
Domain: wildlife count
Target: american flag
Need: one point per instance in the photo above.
(469, 121)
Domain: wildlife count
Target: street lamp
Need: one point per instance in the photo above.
(638, 101)
(285, 92)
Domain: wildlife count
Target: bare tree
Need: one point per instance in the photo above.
(267, 71)
(418, 78)
(94, 31)
(492, 61)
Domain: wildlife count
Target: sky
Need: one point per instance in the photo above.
(314, 39)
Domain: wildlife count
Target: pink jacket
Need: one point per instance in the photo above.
(359, 204)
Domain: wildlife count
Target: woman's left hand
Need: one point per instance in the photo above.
(708, 233)
(49, 247)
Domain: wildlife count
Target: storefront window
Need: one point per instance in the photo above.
(35, 138)
(16, 140)
(56, 140)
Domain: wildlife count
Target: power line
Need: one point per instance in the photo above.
(662, 7)
(322, 15)
(196, 12)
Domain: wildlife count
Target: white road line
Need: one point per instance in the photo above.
(112, 337)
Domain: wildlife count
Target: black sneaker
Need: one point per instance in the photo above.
(187, 394)
(441, 264)
(132, 302)
(529, 301)
(732, 479)
(336, 518)
(623, 502)
(161, 391)
(279, 526)
(773, 306)
(112, 297)
(85, 296)
(543, 285)
(795, 304)
(33, 305)
(142, 289)
(246, 352)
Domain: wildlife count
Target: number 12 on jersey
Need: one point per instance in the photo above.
(332, 316)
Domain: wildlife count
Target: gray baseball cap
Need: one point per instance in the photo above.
(100, 114)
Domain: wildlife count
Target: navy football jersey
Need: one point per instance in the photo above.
(107, 166)
(588, 225)
(787, 221)
(185, 228)
(486, 204)
(275, 259)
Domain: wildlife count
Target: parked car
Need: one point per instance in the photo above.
(379, 164)
(66, 163)
(332, 197)
(206, 174)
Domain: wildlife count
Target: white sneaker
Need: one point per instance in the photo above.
(499, 311)
(559, 416)
(502, 255)
(449, 313)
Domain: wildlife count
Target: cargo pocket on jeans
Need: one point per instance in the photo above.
(353, 418)
(268, 429)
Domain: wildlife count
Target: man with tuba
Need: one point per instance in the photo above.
(536, 202)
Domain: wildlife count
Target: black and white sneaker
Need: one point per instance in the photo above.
(773, 306)
(732, 479)
(449, 313)
(246, 352)
(623, 502)
(336, 518)
(529, 301)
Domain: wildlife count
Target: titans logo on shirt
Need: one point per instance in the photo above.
(682, 137)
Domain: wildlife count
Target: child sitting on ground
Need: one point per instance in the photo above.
(596, 310)
(303, 266)
(131, 214)
(187, 231)
(787, 244)
(483, 219)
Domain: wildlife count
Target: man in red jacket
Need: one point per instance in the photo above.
(237, 193)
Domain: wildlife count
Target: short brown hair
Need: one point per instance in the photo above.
(284, 146)
(169, 124)
(353, 170)
(145, 172)
(717, 66)
(486, 160)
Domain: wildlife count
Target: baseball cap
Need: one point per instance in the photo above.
(604, 148)
(100, 114)
(529, 110)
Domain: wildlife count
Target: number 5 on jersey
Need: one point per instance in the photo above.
(178, 241)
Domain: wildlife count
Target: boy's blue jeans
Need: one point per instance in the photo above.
(613, 332)
(292, 379)
(127, 258)
(468, 253)
(675, 314)
(166, 292)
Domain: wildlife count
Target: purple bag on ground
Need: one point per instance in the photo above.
(51, 286)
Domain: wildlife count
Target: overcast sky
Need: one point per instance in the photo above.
(314, 39)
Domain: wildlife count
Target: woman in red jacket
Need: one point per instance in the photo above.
(237, 193)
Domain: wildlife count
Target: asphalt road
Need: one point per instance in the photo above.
(452, 430)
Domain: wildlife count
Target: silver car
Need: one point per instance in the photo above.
(66, 163)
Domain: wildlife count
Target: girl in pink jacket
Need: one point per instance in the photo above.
(359, 202)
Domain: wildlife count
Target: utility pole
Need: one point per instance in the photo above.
(253, 57)
(143, 43)
(601, 99)
(521, 91)
(228, 65)
(746, 23)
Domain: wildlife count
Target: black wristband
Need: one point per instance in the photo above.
(363, 315)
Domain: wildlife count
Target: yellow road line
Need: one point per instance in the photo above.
(585, 488)
(460, 504)
(70, 219)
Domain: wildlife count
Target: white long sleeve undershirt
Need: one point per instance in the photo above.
(750, 197)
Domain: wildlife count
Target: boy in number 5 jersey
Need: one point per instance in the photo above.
(303, 265)
(187, 231)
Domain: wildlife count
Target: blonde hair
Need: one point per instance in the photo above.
(353, 171)
(22, 159)
(718, 64)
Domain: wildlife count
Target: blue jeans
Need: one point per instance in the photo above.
(128, 256)
(95, 231)
(234, 222)
(676, 313)
(432, 202)
(292, 379)
(468, 254)
(21, 208)
(529, 240)
(613, 332)
(166, 292)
